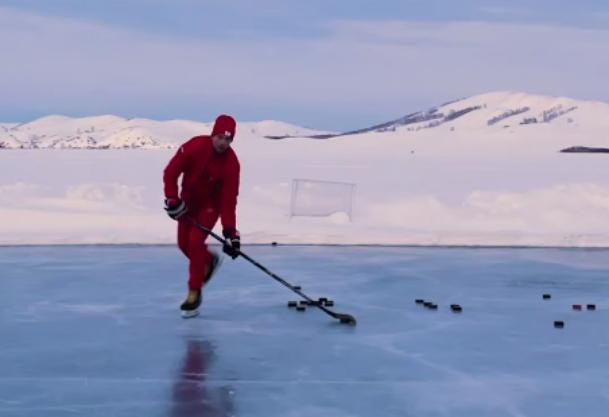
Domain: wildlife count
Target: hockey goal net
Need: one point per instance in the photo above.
(321, 198)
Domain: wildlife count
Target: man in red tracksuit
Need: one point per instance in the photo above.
(209, 189)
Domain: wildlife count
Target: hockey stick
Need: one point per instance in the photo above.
(343, 318)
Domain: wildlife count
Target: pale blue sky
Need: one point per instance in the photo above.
(324, 64)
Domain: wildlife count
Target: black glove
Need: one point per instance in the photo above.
(175, 208)
(232, 245)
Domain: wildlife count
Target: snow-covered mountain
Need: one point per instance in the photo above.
(483, 114)
(500, 110)
(113, 132)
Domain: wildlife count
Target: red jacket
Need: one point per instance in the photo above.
(210, 179)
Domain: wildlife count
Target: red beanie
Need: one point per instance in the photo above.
(224, 125)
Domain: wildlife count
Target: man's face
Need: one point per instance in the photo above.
(221, 142)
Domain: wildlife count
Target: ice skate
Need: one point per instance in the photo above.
(190, 307)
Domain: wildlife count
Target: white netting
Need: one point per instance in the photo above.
(321, 198)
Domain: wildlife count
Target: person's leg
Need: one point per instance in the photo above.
(193, 299)
(200, 257)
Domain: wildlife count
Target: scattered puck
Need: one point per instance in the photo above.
(547, 296)
(292, 304)
(329, 303)
(301, 308)
(559, 324)
(433, 306)
(456, 308)
(427, 303)
(419, 301)
(273, 243)
(297, 287)
(577, 307)
(591, 306)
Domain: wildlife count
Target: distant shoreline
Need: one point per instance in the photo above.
(346, 245)
(584, 149)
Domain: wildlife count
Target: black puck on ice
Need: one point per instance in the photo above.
(301, 308)
(433, 306)
(427, 304)
(292, 304)
(297, 287)
(419, 301)
(273, 243)
(591, 307)
(456, 308)
(547, 296)
(559, 324)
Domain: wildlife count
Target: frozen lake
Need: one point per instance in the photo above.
(96, 331)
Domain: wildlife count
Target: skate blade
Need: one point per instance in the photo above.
(190, 314)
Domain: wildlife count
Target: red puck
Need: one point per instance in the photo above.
(577, 307)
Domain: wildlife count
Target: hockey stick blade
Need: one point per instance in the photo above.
(345, 318)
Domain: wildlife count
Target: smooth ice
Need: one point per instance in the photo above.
(95, 331)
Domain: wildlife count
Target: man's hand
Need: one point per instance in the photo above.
(232, 246)
(175, 208)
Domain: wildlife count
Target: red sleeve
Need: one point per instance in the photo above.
(172, 171)
(228, 196)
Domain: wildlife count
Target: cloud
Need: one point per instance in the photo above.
(380, 69)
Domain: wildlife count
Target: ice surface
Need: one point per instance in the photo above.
(95, 331)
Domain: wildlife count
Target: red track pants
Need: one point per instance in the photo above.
(191, 241)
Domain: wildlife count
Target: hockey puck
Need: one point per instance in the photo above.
(547, 296)
(433, 307)
(329, 303)
(591, 307)
(577, 307)
(456, 308)
(273, 243)
(297, 287)
(292, 304)
(301, 308)
(427, 304)
(419, 301)
(559, 324)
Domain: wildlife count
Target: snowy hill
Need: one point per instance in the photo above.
(485, 114)
(501, 110)
(112, 132)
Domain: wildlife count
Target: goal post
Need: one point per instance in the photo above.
(319, 198)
